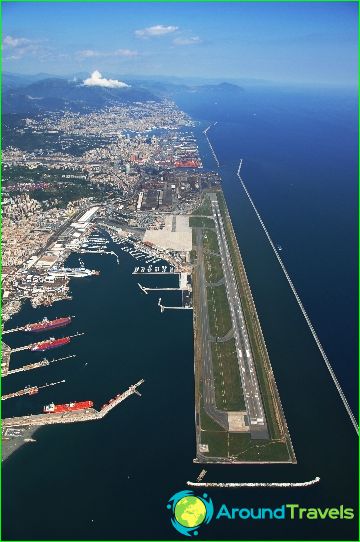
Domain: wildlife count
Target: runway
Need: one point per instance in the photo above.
(253, 400)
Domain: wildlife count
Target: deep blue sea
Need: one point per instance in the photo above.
(111, 479)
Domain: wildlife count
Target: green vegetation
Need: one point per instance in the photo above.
(228, 390)
(20, 174)
(219, 312)
(213, 268)
(205, 208)
(199, 222)
(217, 442)
(244, 449)
(210, 241)
(239, 446)
(192, 256)
(55, 188)
(267, 385)
(193, 238)
(63, 194)
(70, 144)
(207, 423)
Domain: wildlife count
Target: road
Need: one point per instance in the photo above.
(249, 381)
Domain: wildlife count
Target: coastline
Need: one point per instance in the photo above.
(9, 446)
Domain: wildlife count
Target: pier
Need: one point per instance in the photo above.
(201, 475)
(163, 307)
(145, 289)
(211, 147)
(28, 328)
(71, 416)
(29, 390)
(23, 328)
(234, 485)
(144, 272)
(5, 362)
(30, 346)
(302, 308)
(183, 285)
(43, 363)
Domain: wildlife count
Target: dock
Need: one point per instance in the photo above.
(137, 272)
(235, 485)
(163, 308)
(29, 390)
(73, 416)
(43, 363)
(26, 327)
(5, 362)
(30, 346)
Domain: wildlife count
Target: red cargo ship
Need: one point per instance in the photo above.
(67, 407)
(46, 324)
(50, 343)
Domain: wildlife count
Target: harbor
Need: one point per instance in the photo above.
(83, 415)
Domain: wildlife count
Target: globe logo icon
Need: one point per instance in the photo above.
(189, 512)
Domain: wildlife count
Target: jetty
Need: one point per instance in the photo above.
(302, 308)
(28, 327)
(30, 346)
(43, 363)
(83, 415)
(163, 307)
(211, 147)
(235, 485)
(29, 390)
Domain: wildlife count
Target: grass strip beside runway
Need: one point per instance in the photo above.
(219, 311)
(228, 389)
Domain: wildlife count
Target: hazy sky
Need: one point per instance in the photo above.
(286, 42)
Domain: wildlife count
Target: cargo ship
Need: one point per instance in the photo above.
(67, 407)
(49, 343)
(46, 324)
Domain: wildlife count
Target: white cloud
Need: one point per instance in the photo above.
(97, 80)
(90, 53)
(155, 31)
(195, 40)
(10, 43)
(16, 48)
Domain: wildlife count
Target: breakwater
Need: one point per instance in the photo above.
(308, 321)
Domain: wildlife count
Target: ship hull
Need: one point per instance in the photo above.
(70, 407)
(44, 327)
(48, 325)
(49, 345)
